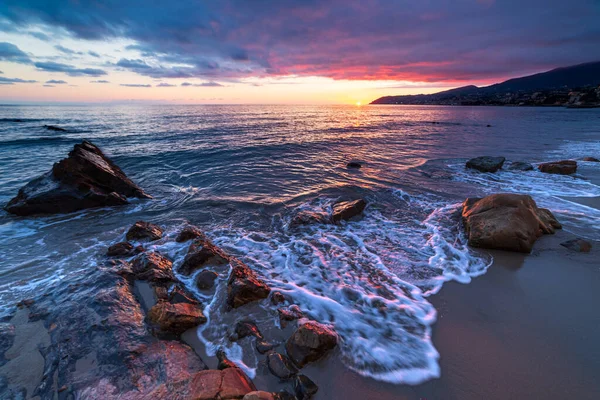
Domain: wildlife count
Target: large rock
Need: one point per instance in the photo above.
(306, 217)
(123, 249)
(486, 163)
(188, 233)
(506, 222)
(153, 267)
(520, 166)
(200, 253)
(175, 318)
(304, 388)
(347, 209)
(565, 167)
(281, 366)
(142, 231)
(244, 286)
(591, 159)
(310, 342)
(85, 179)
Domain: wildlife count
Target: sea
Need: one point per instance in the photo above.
(241, 172)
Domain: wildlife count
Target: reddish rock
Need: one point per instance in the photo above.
(579, 245)
(188, 233)
(200, 253)
(281, 366)
(565, 167)
(85, 179)
(123, 249)
(244, 286)
(347, 209)
(180, 295)
(291, 314)
(175, 318)
(506, 222)
(277, 298)
(153, 267)
(306, 217)
(260, 395)
(244, 329)
(144, 231)
(310, 342)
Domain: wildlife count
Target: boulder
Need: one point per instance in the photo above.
(260, 395)
(506, 222)
(520, 166)
(347, 209)
(263, 346)
(200, 253)
(224, 362)
(206, 279)
(123, 249)
(244, 329)
(354, 165)
(591, 159)
(310, 342)
(306, 217)
(579, 245)
(142, 231)
(188, 233)
(180, 295)
(244, 286)
(153, 267)
(290, 314)
(565, 167)
(281, 366)
(486, 163)
(175, 318)
(85, 179)
(304, 387)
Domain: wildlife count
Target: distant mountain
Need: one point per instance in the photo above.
(576, 86)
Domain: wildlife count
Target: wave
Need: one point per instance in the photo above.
(37, 141)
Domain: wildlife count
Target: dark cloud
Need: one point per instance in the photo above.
(100, 81)
(70, 70)
(140, 85)
(56, 82)
(164, 84)
(66, 50)
(10, 81)
(10, 52)
(429, 40)
(94, 54)
(40, 36)
(203, 84)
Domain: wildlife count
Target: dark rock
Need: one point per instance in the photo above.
(244, 286)
(354, 164)
(55, 128)
(260, 395)
(142, 230)
(283, 395)
(25, 303)
(175, 318)
(200, 253)
(486, 163)
(591, 159)
(506, 222)
(123, 249)
(180, 295)
(263, 346)
(224, 362)
(281, 366)
(579, 245)
(277, 298)
(310, 342)
(305, 217)
(244, 329)
(488, 126)
(304, 387)
(291, 314)
(85, 179)
(188, 233)
(565, 167)
(153, 267)
(520, 166)
(206, 279)
(347, 209)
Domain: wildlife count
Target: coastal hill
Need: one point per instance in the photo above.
(576, 86)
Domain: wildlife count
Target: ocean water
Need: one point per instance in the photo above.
(241, 173)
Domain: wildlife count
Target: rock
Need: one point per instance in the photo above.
(206, 279)
(520, 166)
(304, 387)
(244, 329)
(244, 286)
(281, 366)
(590, 159)
(224, 362)
(55, 128)
(486, 163)
(142, 230)
(175, 318)
(180, 295)
(310, 342)
(305, 217)
(579, 245)
(354, 164)
(347, 209)
(85, 179)
(153, 267)
(123, 249)
(291, 314)
(260, 395)
(565, 167)
(506, 222)
(263, 346)
(277, 298)
(188, 233)
(200, 253)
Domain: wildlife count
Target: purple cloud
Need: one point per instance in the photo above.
(70, 70)
(137, 85)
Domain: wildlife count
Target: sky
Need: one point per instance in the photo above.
(281, 51)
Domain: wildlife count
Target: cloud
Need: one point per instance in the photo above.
(56, 82)
(40, 36)
(70, 70)
(425, 41)
(10, 81)
(10, 52)
(100, 81)
(94, 54)
(48, 85)
(138, 85)
(66, 50)
(203, 84)
(164, 84)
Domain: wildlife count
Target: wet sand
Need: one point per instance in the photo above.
(527, 329)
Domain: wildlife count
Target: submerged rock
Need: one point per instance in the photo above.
(200, 253)
(206, 279)
(520, 166)
(281, 366)
(354, 164)
(591, 159)
(506, 222)
(55, 128)
(188, 233)
(142, 230)
(85, 179)
(175, 318)
(306, 217)
(244, 286)
(310, 342)
(123, 249)
(565, 167)
(347, 209)
(579, 245)
(486, 163)
(304, 387)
